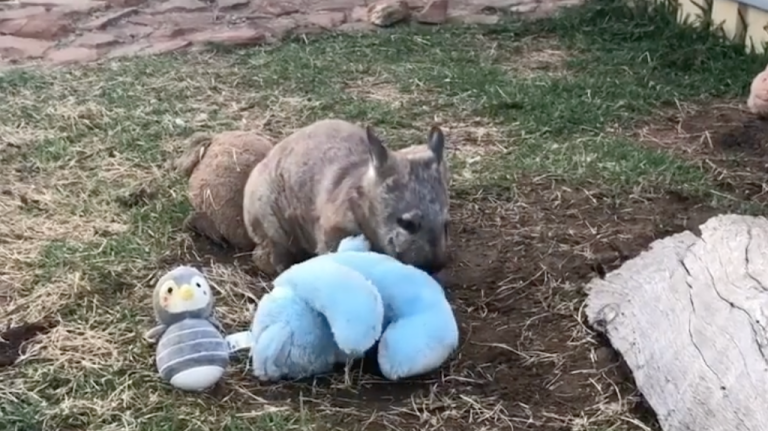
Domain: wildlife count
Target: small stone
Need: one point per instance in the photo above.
(165, 47)
(20, 47)
(95, 40)
(435, 12)
(475, 19)
(232, 4)
(326, 20)
(72, 55)
(23, 12)
(181, 6)
(107, 20)
(385, 13)
(47, 26)
(234, 37)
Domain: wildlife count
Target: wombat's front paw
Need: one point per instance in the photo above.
(262, 260)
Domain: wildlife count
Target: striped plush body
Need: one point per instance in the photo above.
(192, 354)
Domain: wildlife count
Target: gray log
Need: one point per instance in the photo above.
(689, 317)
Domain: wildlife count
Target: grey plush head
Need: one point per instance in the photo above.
(407, 198)
(182, 293)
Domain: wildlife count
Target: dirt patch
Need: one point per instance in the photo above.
(723, 138)
(526, 361)
(12, 340)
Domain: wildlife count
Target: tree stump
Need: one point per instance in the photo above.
(689, 317)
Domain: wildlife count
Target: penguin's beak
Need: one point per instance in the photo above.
(186, 293)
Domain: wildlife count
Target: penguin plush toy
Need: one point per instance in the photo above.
(191, 353)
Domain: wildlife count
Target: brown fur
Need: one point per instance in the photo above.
(333, 179)
(217, 167)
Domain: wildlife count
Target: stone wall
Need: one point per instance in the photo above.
(77, 31)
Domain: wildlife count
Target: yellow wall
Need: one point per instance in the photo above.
(739, 21)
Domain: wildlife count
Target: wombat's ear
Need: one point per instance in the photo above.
(436, 142)
(376, 148)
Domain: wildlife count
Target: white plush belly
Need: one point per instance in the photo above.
(197, 379)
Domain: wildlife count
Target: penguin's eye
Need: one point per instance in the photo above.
(199, 286)
(170, 290)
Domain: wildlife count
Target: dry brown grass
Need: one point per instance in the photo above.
(91, 218)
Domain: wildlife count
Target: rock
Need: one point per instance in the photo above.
(359, 13)
(333, 5)
(276, 8)
(165, 47)
(23, 12)
(128, 50)
(232, 4)
(435, 12)
(95, 40)
(326, 20)
(475, 19)
(125, 3)
(279, 27)
(72, 55)
(356, 27)
(174, 32)
(385, 13)
(20, 47)
(107, 20)
(125, 30)
(83, 6)
(47, 26)
(524, 8)
(80, 8)
(181, 6)
(233, 37)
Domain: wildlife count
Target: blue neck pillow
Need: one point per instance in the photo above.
(334, 307)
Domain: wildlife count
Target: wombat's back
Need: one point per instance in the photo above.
(318, 152)
(286, 190)
(192, 354)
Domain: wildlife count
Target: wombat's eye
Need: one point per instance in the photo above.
(408, 225)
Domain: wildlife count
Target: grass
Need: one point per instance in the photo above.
(90, 215)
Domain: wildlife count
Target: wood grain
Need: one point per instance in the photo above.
(689, 318)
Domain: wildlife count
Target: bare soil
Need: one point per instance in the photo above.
(526, 359)
(724, 138)
(13, 339)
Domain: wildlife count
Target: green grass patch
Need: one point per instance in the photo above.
(87, 140)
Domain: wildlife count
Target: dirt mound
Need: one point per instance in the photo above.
(12, 340)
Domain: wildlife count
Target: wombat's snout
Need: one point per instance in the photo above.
(434, 265)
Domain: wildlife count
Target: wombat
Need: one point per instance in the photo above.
(333, 179)
(218, 167)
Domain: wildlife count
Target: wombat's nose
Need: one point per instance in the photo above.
(433, 267)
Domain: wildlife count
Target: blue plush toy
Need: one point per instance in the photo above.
(334, 307)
